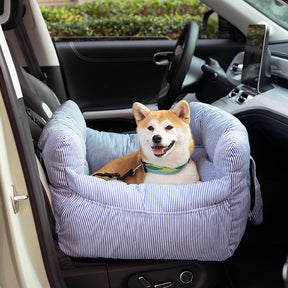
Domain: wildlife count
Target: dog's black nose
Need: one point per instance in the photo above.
(156, 139)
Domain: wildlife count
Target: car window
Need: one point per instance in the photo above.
(273, 9)
(126, 18)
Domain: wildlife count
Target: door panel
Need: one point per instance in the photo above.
(111, 74)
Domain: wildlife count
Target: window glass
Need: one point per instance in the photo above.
(126, 18)
(273, 9)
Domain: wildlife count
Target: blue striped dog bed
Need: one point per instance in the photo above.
(98, 218)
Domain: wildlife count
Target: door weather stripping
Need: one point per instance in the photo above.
(15, 198)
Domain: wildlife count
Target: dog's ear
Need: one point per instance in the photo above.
(182, 110)
(140, 111)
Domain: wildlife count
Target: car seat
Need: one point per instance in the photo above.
(39, 99)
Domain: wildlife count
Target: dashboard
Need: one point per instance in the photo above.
(243, 98)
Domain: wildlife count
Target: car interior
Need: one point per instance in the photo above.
(105, 78)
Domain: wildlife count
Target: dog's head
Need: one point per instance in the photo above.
(164, 135)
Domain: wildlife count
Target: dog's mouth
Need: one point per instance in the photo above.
(159, 150)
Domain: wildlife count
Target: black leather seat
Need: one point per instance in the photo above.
(39, 99)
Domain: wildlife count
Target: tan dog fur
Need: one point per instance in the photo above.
(177, 145)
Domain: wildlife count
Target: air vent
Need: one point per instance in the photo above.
(243, 96)
(235, 92)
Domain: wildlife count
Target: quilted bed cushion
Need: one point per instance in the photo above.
(98, 218)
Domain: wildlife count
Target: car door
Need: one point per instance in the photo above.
(106, 77)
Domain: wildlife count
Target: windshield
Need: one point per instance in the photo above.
(273, 9)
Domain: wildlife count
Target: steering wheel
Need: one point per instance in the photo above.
(179, 64)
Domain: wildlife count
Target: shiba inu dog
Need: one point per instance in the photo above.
(166, 145)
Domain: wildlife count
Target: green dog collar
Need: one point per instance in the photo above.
(148, 167)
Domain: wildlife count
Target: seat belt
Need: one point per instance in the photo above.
(47, 197)
(44, 183)
(28, 52)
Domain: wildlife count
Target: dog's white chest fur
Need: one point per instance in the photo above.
(187, 175)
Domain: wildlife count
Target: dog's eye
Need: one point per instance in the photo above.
(169, 127)
(150, 128)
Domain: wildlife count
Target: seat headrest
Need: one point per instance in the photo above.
(11, 12)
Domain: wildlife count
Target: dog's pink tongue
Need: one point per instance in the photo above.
(158, 150)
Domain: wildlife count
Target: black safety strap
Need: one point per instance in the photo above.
(117, 176)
